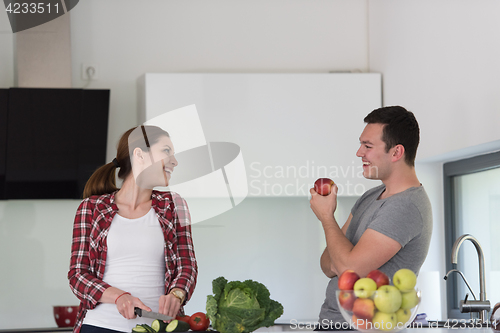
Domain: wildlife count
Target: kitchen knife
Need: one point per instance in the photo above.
(150, 314)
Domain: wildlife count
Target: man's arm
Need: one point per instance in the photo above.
(372, 251)
(326, 261)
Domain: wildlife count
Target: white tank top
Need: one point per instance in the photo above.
(135, 263)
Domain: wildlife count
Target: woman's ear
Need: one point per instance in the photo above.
(138, 155)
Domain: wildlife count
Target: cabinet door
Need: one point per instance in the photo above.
(291, 128)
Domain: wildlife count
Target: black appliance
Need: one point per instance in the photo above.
(51, 141)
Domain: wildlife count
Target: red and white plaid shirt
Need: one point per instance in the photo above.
(89, 248)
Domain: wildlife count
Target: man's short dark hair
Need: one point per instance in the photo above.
(400, 127)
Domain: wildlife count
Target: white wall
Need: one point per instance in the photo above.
(35, 243)
(273, 240)
(439, 58)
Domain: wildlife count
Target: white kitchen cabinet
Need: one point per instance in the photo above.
(291, 128)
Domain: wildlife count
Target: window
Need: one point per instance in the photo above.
(472, 206)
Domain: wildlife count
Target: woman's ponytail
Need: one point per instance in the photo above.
(102, 181)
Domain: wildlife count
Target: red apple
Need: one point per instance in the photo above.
(347, 280)
(323, 186)
(379, 277)
(346, 299)
(363, 324)
(364, 308)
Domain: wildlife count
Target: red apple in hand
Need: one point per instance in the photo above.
(379, 277)
(364, 308)
(347, 280)
(323, 186)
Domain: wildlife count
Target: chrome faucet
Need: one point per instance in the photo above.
(482, 306)
(463, 277)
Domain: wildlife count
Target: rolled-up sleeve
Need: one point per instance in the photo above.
(83, 278)
(187, 268)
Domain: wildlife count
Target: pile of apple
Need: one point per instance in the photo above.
(374, 302)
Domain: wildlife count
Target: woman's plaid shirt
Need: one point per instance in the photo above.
(89, 248)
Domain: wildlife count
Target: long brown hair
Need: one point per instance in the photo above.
(103, 180)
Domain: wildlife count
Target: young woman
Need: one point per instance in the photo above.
(132, 246)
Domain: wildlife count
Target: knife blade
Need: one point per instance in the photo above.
(150, 314)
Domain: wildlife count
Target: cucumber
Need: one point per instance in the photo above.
(177, 326)
(148, 328)
(159, 325)
(139, 329)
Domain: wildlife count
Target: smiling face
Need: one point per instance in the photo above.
(376, 161)
(162, 153)
(154, 167)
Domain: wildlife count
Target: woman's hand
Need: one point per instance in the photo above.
(169, 305)
(126, 304)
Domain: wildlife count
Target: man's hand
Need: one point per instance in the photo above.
(324, 206)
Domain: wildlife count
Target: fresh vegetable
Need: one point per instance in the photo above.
(177, 326)
(183, 318)
(159, 325)
(144, 328)
(140, 329)
(241, 307)
(199, 322)
(148, 328)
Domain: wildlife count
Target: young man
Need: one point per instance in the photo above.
(390, 226)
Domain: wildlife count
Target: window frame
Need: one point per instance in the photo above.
(452, 169)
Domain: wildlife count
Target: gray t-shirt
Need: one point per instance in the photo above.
(405, 217)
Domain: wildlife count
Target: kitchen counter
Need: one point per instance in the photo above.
(408, 330)
(38, 330)
(434, 328)
(274, 329)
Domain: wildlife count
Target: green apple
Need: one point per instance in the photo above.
(409, 299)
(404, 279)
(364, 287)
(388, 299)
(403, 315)
(385, 321)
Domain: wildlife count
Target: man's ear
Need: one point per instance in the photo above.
(398, 152)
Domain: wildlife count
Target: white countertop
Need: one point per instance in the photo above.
(273, 329)
(452, 326)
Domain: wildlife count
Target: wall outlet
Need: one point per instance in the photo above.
(90, 72)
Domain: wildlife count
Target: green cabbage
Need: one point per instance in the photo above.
(241, 307)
